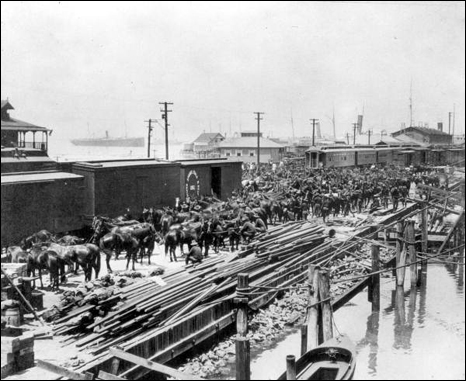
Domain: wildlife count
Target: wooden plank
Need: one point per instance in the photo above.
(64, 371)
(107, 376)
(153, 366)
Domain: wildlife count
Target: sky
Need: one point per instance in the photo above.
(81, 68)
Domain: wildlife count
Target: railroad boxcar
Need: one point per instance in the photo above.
(366, 156)
(113, 186)
(40, 200)
(384, 156)
(209, 177)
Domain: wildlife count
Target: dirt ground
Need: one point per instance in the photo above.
(51, 349)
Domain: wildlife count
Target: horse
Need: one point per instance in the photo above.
(277, 212)
(110, 242)
(69, 240)
(167, 221)
(153, 216)
(172, 239)
(16, 254)
(40, 259)
(206, 238)
(148, 243)
(87, 256)
(234, 236)
(36, 238)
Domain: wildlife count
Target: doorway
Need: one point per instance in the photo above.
(217, 181)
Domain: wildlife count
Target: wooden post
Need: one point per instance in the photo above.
(324, 293)
(313, 311)
(400, 256)
(303, 339)
(411, 236)
(425, 239)
(375, 279)
(243, 359)
(243, 347)
(242, 303)
(399, 243)
(290, 367)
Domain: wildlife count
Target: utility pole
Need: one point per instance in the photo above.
(313, 131)
(165, 112)
(149, 134)
(347, 138)
(258, 118)
(449, 122)
(369, 133)
(454, 116)
(355, 127)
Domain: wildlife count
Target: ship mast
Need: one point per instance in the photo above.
(411, 105)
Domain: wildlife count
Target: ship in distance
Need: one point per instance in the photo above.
(108, 141)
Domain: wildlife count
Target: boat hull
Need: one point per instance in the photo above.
(334, 359)
(124, 142)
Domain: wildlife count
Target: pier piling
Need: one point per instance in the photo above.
(243, 358)
(411, 237)
(290, 367)
(400, 255)
(313, 311)
(324, 293)
(375, 279)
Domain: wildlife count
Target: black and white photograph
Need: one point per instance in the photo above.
(233, 190)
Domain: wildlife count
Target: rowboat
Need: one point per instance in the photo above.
(334, 359)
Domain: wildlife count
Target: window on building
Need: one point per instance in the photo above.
(238, 153)
(227, 153)
(252, 153)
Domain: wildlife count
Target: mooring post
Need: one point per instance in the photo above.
(290, 367)
(411, 237)
(243, 347)
(242, 303)
(303, 339)
(425, 240)
(324, 293)
(375, 278)
(400, 255)
(243, 358)
(312, 317)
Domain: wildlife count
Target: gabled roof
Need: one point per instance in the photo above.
(208, 137)
(19, 125)
(422, 130)
(6, 105)
(248, 142)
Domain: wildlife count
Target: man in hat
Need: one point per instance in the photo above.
(248, 231)
(195, 254)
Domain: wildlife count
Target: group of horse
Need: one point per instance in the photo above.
(43, 251)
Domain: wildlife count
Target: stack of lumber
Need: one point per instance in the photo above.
(17, 353)
(279, 254)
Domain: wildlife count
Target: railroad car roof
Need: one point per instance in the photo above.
(122, 164)
(32, 177)
(27, 159)
(206, 162)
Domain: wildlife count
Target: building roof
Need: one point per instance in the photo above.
(27, 159)
(422, 130)
(6, 105)
(37, 177)
(248, 142)
(208, 137)
(19, 125)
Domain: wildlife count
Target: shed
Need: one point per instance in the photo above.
(113, 186)
(33, 201)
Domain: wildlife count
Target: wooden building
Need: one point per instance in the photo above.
(244, 149)
(430, 136)
(24, 145)
(40, 200)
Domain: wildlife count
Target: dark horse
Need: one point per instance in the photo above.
(43, 259)
(111, 241)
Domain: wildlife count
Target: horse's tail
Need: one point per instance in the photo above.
(97, 261)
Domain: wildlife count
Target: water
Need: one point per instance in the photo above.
(416, 335)
(66, 151)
